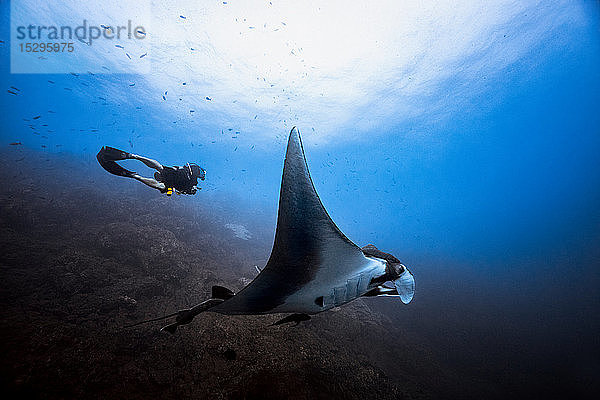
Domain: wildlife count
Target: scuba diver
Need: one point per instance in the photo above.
(182, 180)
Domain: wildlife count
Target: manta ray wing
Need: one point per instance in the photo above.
(313, 265)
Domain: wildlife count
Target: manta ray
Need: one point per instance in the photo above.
(313, 266)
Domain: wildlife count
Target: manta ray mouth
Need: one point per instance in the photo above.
(405, 286)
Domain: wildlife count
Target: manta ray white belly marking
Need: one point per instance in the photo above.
(354, 287)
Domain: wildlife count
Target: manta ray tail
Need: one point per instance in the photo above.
(219, 294)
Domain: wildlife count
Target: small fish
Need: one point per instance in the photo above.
(130, 143)
(250, 27)
(15, 143)
(132, 84)
(37, 117)
(141, 32)
(166, 92)
(164, 98)
(43, 146)
(224, 2)
(143, 55)
(182, 17)
(208, 98)
(183, 83)
(69, 89)
(74, 74)
(11, 92)
(17, 89)
(192, 111)
(102, 98)
(128, 56)
(119, 46)
(52, 82)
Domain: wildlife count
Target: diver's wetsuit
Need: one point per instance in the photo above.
(177, 178)
(166, 179)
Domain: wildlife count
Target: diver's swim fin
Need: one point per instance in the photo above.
(110, 153)
(107, 157)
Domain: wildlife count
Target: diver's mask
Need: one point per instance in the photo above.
(195, 171)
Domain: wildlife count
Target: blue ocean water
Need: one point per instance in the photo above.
(505, 160)
(463, 140)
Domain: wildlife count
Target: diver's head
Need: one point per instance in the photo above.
(195, 171)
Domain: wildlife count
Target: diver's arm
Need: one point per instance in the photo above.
(153, 183)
